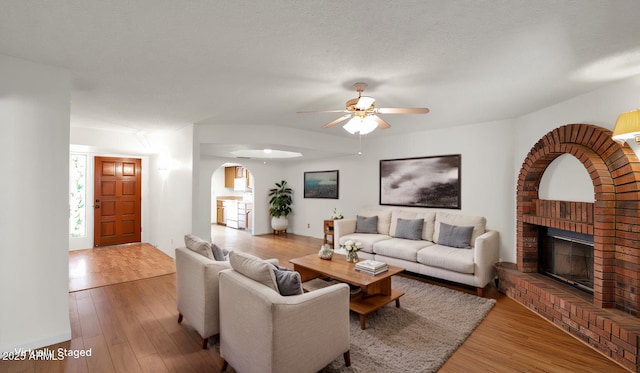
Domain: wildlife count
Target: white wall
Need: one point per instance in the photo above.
(566, 179)
(486, 163)
(170, 195)
(34, 146)
(265, 173)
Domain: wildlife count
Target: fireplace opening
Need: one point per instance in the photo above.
(567, 257)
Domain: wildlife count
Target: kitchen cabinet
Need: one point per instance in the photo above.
(229, 176)
(233, 212)
(236, 172)
(220, 212)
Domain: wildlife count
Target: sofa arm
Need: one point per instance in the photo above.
(197, 290)
(487, 253)
(342, 227)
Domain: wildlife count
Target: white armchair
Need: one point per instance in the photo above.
(198, 292)
(262, 331)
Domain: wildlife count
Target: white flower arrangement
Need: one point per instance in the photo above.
(337, 215)
(352, 246)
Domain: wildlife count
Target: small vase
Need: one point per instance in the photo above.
(352, 256)
(326, 252)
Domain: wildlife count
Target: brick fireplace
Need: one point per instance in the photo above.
(608, 320)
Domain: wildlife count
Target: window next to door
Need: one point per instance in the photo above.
(77, 195)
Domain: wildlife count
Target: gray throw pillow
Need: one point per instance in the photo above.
(366, 224)
(455, 236)
(218, 253)
(199, 246)
(409, 228)
(289, 282)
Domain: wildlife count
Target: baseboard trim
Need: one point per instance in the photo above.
(39, 343)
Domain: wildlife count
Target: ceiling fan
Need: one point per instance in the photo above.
(363, 114)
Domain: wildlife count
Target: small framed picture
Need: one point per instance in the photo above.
(321, 184)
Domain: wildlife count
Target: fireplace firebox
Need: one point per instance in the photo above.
(567, 257)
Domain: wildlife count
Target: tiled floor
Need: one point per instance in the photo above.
(102, 266)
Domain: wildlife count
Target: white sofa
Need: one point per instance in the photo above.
(472, 266)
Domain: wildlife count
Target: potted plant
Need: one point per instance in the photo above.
(280, 206)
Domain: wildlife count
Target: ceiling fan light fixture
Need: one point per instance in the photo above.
(368, 125)
(361, 125)
(353, 125)
(360, 112)
(365, 102)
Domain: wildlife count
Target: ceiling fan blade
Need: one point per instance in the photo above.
(382, 124)
(402, 110)
(333, 123)
(322, 111)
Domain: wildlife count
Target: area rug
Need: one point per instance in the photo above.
(431, 323)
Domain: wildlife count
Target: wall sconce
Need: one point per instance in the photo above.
(627, 127)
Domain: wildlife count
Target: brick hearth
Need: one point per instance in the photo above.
(608, 320)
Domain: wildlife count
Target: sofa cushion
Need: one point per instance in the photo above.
(288, 281)
(367, 240)
(400, 248)
(199, 246)
(218, 253)
(447, 257)
(384, 217)
(366, 224)
(455, 236)
(428, 216)
(410, 229)
(478, 222)
(254, 268)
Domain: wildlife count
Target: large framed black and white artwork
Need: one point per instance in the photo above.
(321, 184)
(421, 182)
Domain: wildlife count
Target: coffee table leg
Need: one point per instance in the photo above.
(398, 303)
(363, 322)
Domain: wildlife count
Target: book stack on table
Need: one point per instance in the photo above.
(371, 267)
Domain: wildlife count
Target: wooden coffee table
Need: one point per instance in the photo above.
(375, 292)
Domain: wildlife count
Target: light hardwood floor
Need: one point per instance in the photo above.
(102, 266)
(132, 326)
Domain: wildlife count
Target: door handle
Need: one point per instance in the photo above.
(96, 205)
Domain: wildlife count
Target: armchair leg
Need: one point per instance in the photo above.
(205, 341)
(347, 358)
(479, 291)
(225, 365)
(179, 318)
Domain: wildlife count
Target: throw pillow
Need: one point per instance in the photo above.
(218, 253)
(366, 224)
(288, 281)
(254, 268)
(455, 236)
(409, 228)
(198, 245)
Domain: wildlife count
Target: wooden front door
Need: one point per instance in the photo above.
(117, 204)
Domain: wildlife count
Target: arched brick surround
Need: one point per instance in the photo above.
(615, 224)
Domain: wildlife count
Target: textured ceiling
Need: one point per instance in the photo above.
(160, 64)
